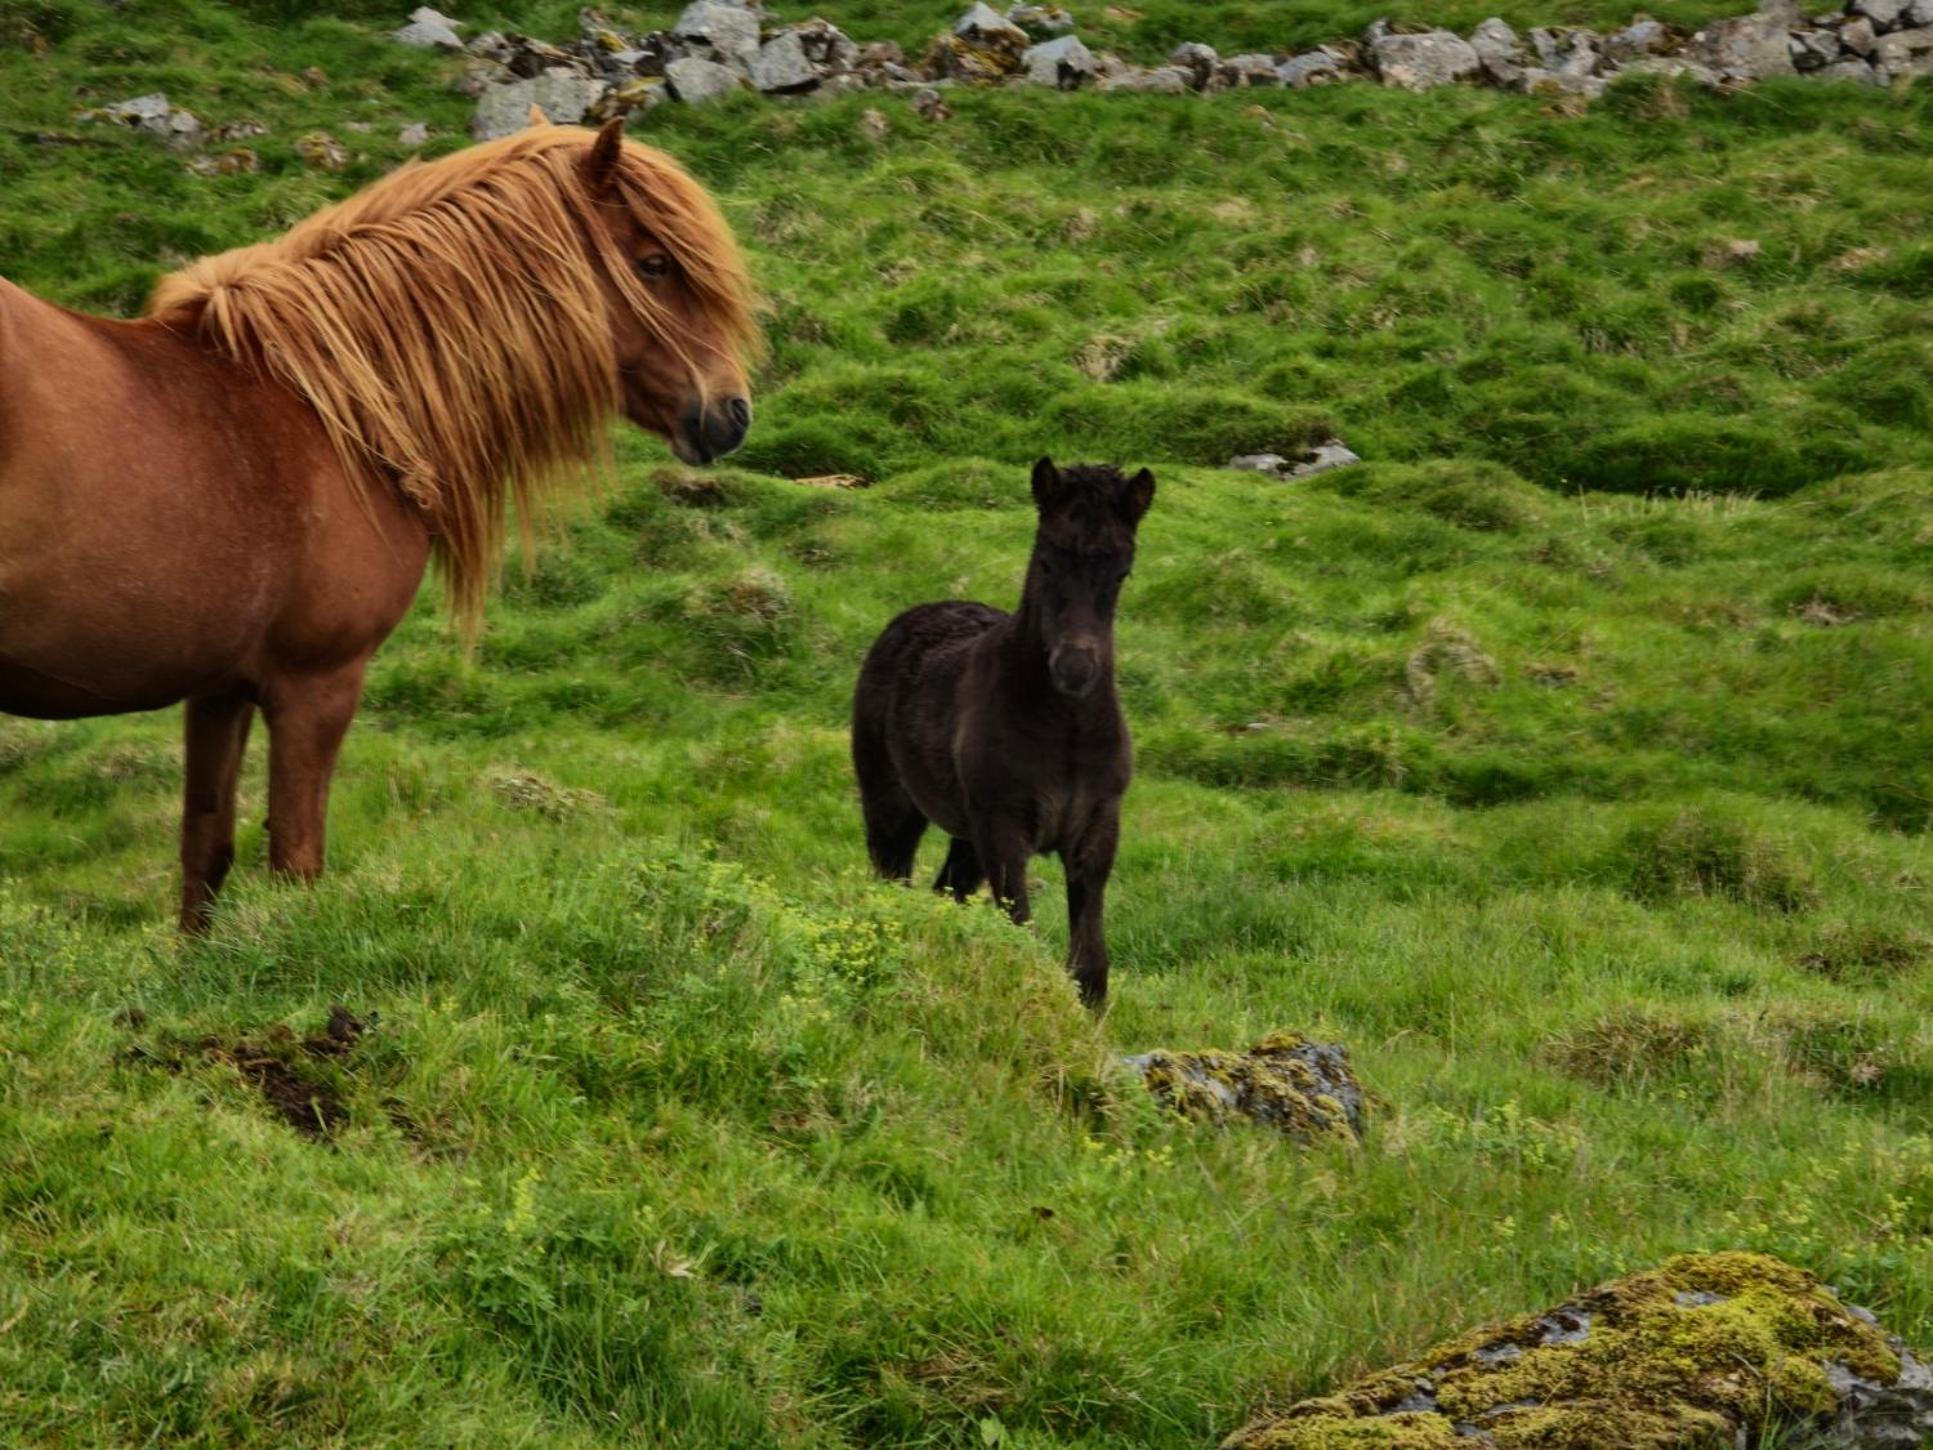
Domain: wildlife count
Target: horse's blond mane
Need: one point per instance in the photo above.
(449, 324)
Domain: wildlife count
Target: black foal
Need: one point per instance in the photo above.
(1005, 729)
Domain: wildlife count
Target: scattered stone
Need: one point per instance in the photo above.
(429, 30)
(781, 65)
(1330, 454)
(237, 161)
(716, 31)
(1858, 36)
(873, 125)
(984, 46)
(1884, 14)
(1041, 19)
(1852, 69)
(1064, 64)
(930, 105)
(1674, 68)
(1813, 49)
(416, 133)
(322, 151)
(1311, 68)
(1707, 1349)
(695, 81)
(243, 130)
(986, 26)
(1197, 59)
(1162, 80)
(315, 77)
(1251, 69)
(562, 95)
(1303, 1089)
(153, 114)
(1743, 49)
(532, 58)
(1644, 37)
(1906, 52)
(1423, 62)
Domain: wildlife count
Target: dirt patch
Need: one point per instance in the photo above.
(288, 1071)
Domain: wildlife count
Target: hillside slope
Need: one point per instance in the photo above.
(1569, 760)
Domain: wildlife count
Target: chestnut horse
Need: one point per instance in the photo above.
(232, 500)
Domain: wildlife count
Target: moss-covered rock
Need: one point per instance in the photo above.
(1708, 1350)
(1303, 1088)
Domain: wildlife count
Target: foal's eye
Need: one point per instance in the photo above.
(655, 265)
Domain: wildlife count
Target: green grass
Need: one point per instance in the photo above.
(1570, 761)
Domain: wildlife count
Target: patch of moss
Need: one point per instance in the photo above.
(1303, 1088)
(1683, 1355)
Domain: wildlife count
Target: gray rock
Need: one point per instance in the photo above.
(1322, 459)
(1906, 52)
(1041, 19)
(1311, 68)
(429, 30)
(1673, 67)
(1197, 59)
(827, 46)
(416, 133)
(1858, 36)
(1064, 63)
(491, 45)
(1566, 52)
(1744, 48)
(153, 114)
(1643, 37)
(782, 65)
(1919, 13)
(1494, 37)
(1272, 464)
(694, 80)
(718, 32)
(1160, 80)
(1303, 1089)
(1874, 1416)
(985, 25)
(1812, 49)
(1423, 62)
(1249, 69)
(564, 97)
(1884, 14)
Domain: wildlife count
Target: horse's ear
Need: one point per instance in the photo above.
(600, 167)
(1139, 494)
(1046, 481)
(536, 116)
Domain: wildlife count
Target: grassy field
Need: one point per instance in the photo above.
(1569, 761)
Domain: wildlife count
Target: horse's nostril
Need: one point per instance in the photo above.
(741, 412)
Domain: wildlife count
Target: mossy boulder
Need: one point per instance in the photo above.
(1305, 1089)
(1709, 1350)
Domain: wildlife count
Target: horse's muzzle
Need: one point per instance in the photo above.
(1075, 669)
(715, 430)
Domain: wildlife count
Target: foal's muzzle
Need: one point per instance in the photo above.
(1075, 669)
(711, 431)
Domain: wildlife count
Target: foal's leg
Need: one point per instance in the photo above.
(1088, 866)
(216, 737)
(307, 717)
(961, 874)
(1003, 851)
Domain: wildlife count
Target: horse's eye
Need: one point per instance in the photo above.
(655, 265)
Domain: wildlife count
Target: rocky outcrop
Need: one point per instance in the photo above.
(1709, 1349)
(1300, 1088)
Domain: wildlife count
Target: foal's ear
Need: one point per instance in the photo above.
(1046, 481)
(1138, 495)
(536, 116)
(601, 164)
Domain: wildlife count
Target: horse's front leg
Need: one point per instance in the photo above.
(1088, 865)
(307, 715)
(1003, 849)
(216, 737)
